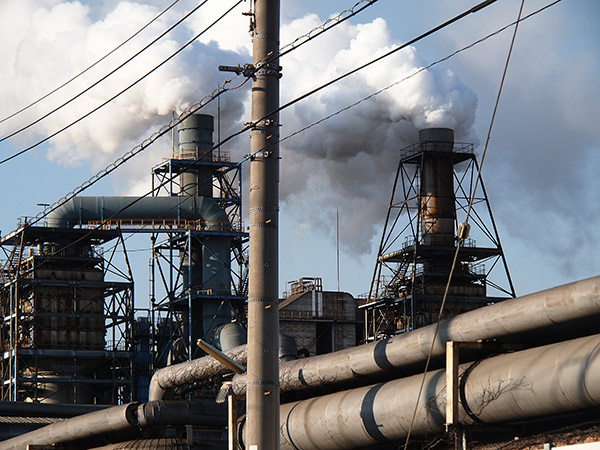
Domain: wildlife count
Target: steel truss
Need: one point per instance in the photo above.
(408, 281)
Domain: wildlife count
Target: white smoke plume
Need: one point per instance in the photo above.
(47, 42)
(347, 162)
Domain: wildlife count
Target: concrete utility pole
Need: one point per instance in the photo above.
(262, 430)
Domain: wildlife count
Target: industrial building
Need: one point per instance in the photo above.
(449, 356)
(72, 346)
(319, 321)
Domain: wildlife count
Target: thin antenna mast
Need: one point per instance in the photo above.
(337, 244)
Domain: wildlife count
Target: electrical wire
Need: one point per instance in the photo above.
(90, 66)
(128, 60)
(413, 74)
(133, 152)
(47, 138)
(299, 41)
(247, 126)
(475, 9)
(320, 29)
(458, 245)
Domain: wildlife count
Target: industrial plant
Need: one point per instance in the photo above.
(440, 354)
(72, 344)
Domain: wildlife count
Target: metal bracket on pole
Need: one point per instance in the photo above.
(453, 424)
(451, 385)
(248, 70)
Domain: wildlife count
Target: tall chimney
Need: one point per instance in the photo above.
(438, 213)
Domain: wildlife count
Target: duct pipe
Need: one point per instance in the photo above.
(543, 381)
(81, 210)
(116, 420)
(406, 353)
(188, 372)
(119, 422)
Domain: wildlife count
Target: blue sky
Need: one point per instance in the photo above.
(540, 173)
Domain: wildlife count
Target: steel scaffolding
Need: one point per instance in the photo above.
(67, 311)
(173, 294)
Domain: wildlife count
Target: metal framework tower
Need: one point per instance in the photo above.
(198, 269)
(430, 196)
(67, 311)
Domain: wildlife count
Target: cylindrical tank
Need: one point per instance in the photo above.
(205, 263)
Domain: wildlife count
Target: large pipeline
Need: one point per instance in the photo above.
(188, 372)
(571, 304)
(118, 423)
(543, 381)
(26, 409)
(80, 210)
(405, 354)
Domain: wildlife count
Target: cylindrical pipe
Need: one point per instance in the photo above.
(202, 368)
(82, 209)
(115, 420)
(188, 372)
(120, 422)
(263, 314)
(542, 381)
(406, 353)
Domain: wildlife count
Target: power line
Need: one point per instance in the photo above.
(14, 133)
(216, 93)
(475, 9)
(135, 151)
(325, 26)
(415, 73)
(299, 41)
(90, 66)
(20, 152)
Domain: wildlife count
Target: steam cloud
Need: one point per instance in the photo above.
(348, 162)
